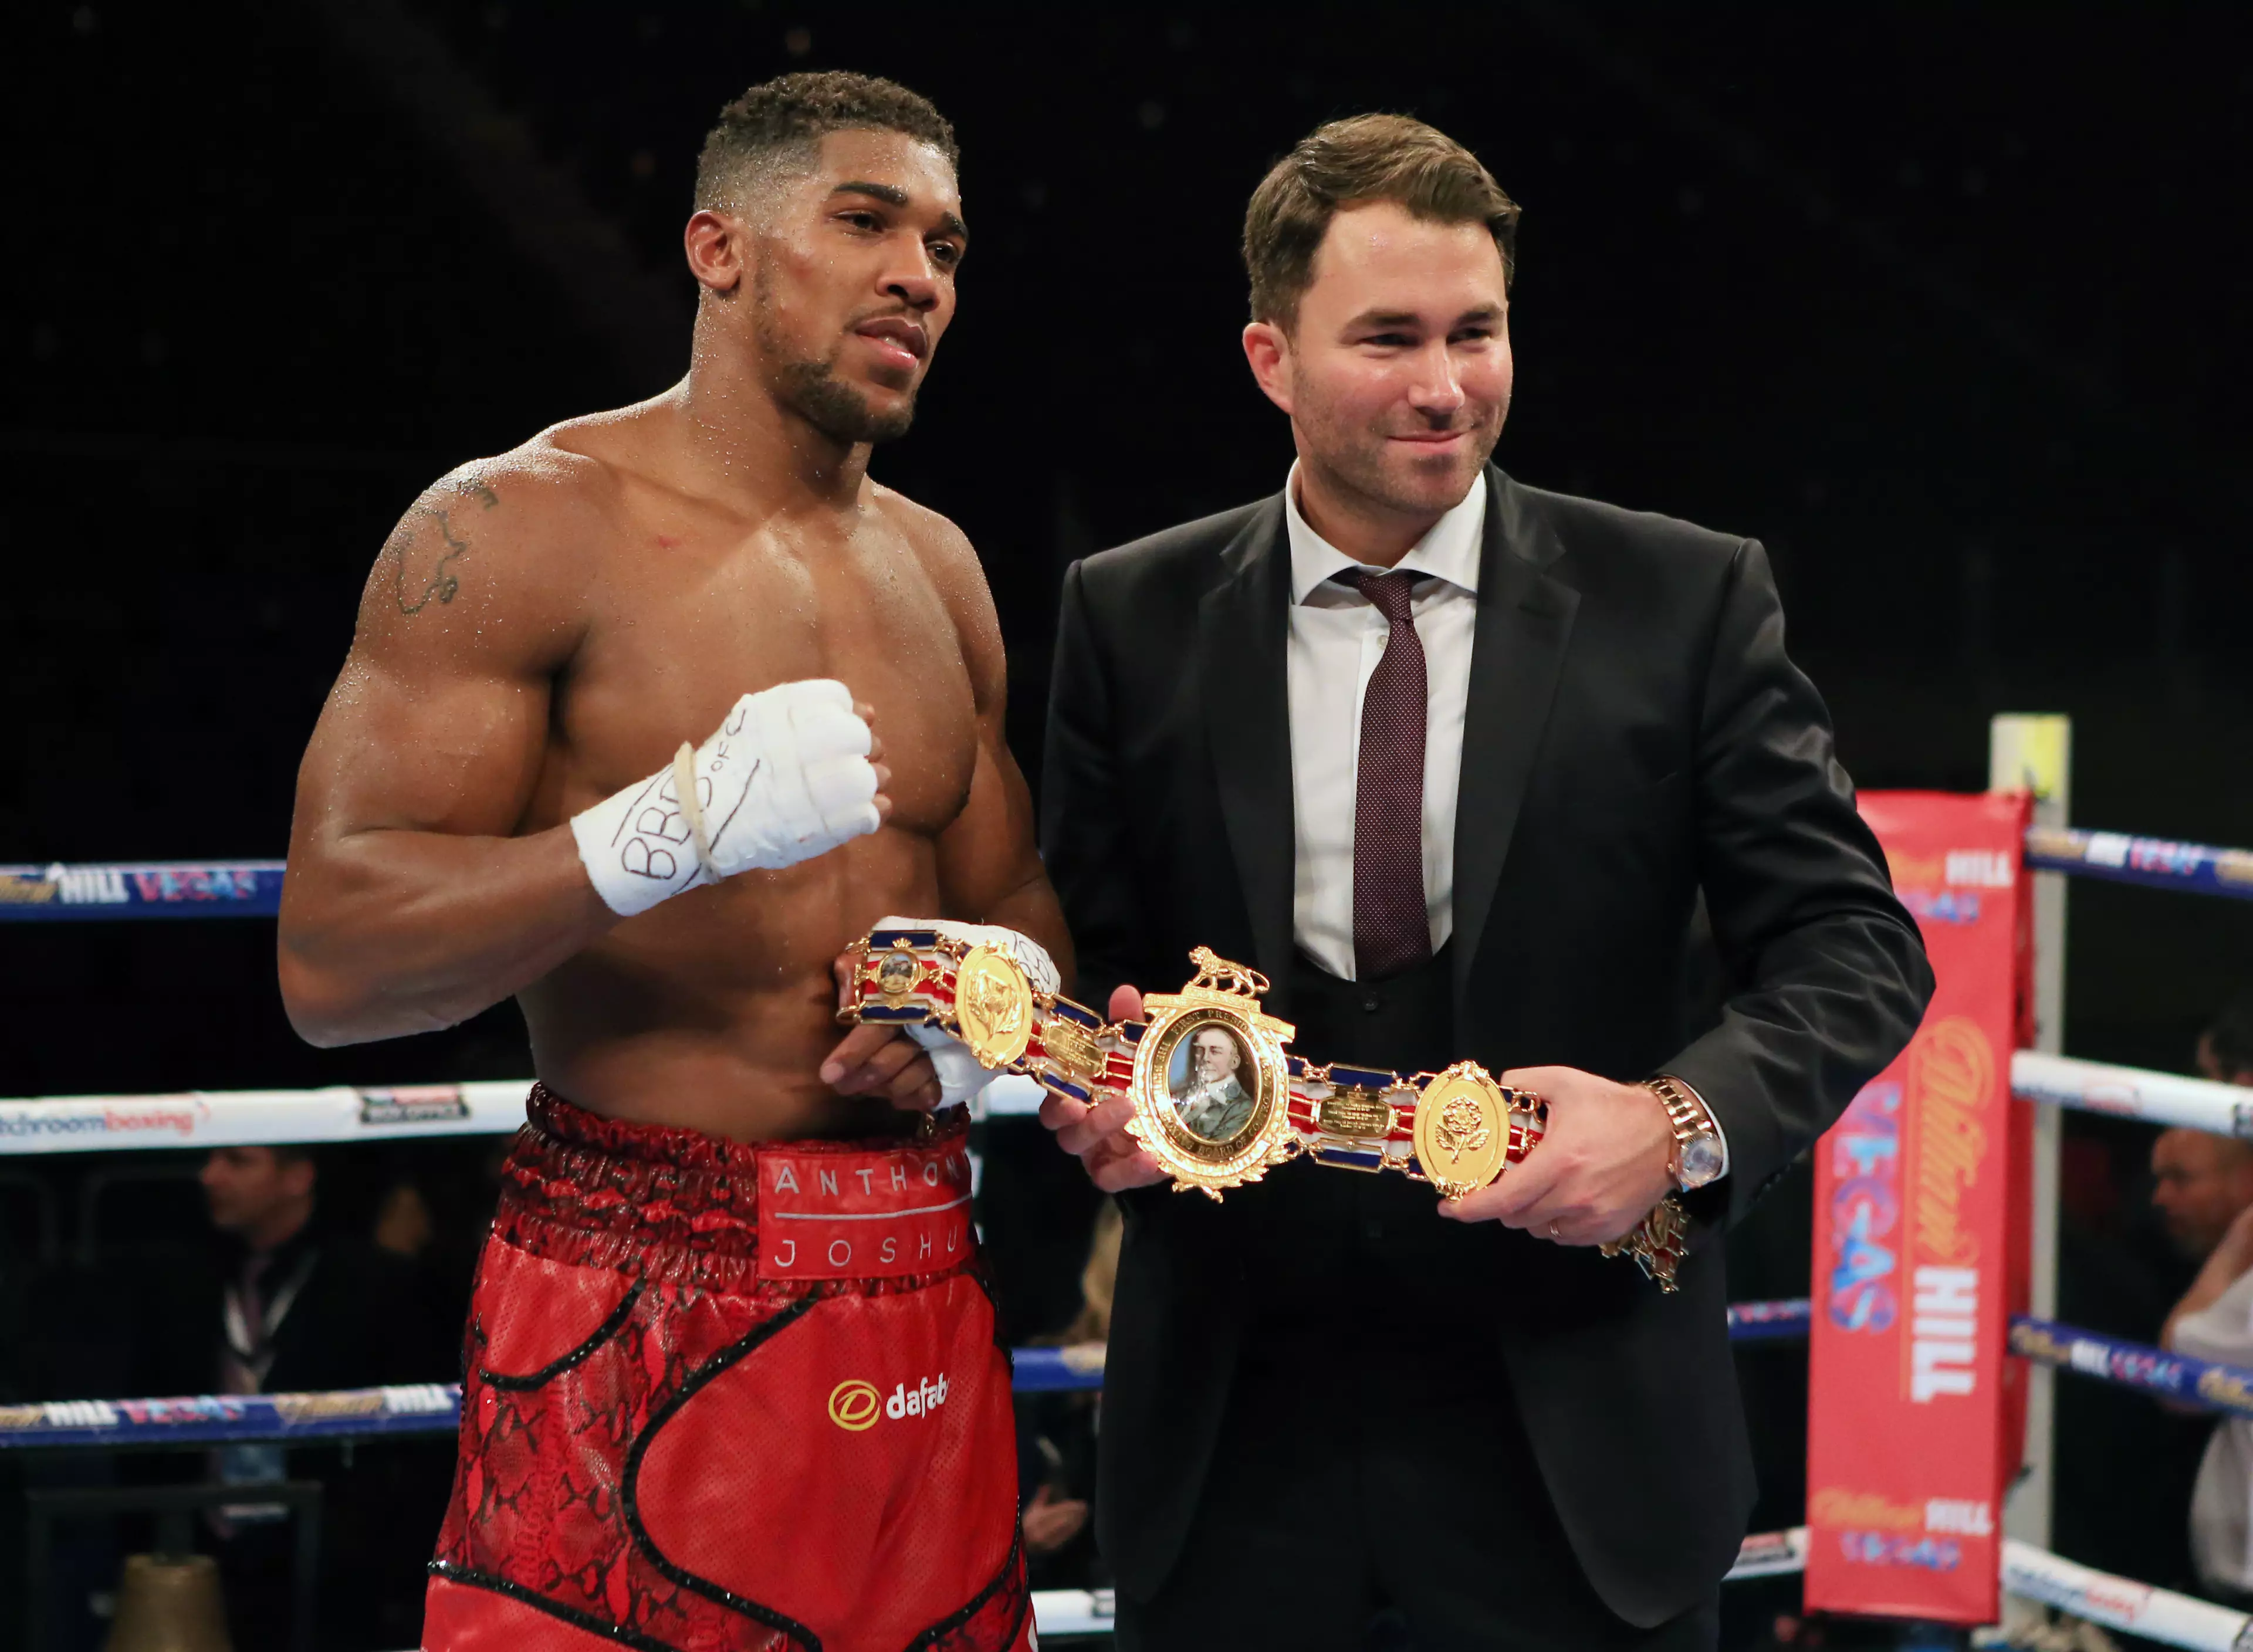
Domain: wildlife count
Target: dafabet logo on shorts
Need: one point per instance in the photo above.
(855, 1404)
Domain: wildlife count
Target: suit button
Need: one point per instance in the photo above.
(1373, 1230)
(1372, 1004)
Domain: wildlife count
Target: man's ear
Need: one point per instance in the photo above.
(719, 250)
(298, 1178)
(1267, 348)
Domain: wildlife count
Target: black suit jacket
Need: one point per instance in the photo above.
(1634, 732)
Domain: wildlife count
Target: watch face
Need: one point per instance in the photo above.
(1701, 1160)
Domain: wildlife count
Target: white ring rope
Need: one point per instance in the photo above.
(2028, 1573)
(340, 1113)
(344, 1112)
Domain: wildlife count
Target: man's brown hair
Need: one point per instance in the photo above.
(783, 120)
(1366, 158)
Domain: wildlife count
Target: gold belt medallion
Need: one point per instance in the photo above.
(1210, 1088)
(1463, 1130)
(993, 1007)
(897, 973)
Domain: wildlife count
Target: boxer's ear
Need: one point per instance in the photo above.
(718, 245)
(1267, 349)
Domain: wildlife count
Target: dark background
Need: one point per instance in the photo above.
(1946, 305)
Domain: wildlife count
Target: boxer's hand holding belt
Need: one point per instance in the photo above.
(1217, 1099)
(983, 1000)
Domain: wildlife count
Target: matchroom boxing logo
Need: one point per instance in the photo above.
(854, 1404)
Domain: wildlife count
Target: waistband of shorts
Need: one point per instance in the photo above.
(667, 1201)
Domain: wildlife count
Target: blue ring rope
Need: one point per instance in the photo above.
(2226, 1389)
(2155, 863)
(436, 1408)
(108, 890)
(100, 892)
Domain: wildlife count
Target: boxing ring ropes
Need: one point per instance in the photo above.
(2033, 751)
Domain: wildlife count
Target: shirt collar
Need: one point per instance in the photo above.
(1449, 551)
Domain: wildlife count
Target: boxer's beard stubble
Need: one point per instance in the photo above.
(812, 387)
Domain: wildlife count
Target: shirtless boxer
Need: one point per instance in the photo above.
(604, 742)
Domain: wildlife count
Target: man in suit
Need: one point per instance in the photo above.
(1449, 759)
(283, 1300)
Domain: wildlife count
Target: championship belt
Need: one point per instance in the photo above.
(1218, 1099)
(1458, 1130)
(979, 996)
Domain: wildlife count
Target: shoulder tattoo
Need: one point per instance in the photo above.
(417, 578)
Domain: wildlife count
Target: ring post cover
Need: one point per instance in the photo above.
(1917, 1415)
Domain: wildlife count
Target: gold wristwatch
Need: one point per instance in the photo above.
(1698, 1158)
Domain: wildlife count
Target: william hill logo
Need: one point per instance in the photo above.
(853, 1404)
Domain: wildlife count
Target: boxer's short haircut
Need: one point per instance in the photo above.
(1352, 163)
(778, 126)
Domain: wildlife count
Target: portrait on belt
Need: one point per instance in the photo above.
(897, 973)
(1213, 1081)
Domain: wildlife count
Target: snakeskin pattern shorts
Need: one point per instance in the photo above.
(727, 1397)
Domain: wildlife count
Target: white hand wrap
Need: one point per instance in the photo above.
(960, 1074)
(787, 777)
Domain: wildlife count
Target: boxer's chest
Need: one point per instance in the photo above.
(688, 623)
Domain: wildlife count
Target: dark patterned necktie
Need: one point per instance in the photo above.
(1390, 929)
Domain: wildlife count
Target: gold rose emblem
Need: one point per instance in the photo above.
(1463, 1128)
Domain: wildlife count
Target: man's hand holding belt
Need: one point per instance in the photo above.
(1095, 1131)
(1613, 1156)
(1240, 1106)
(1608, 1157)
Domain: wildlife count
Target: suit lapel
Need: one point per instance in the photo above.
(1243, 627)
(1525, 621)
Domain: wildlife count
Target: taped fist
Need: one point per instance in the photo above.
(791, 773)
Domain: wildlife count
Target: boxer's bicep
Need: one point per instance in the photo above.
(401, 749)
(415, 896)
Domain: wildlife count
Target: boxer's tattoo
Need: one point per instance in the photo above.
(411, 589)
(441, 583)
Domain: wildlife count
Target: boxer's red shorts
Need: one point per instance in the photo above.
(724, 1398)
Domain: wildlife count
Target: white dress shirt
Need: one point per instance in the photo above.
(1337, 636)
(2222, 1501)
